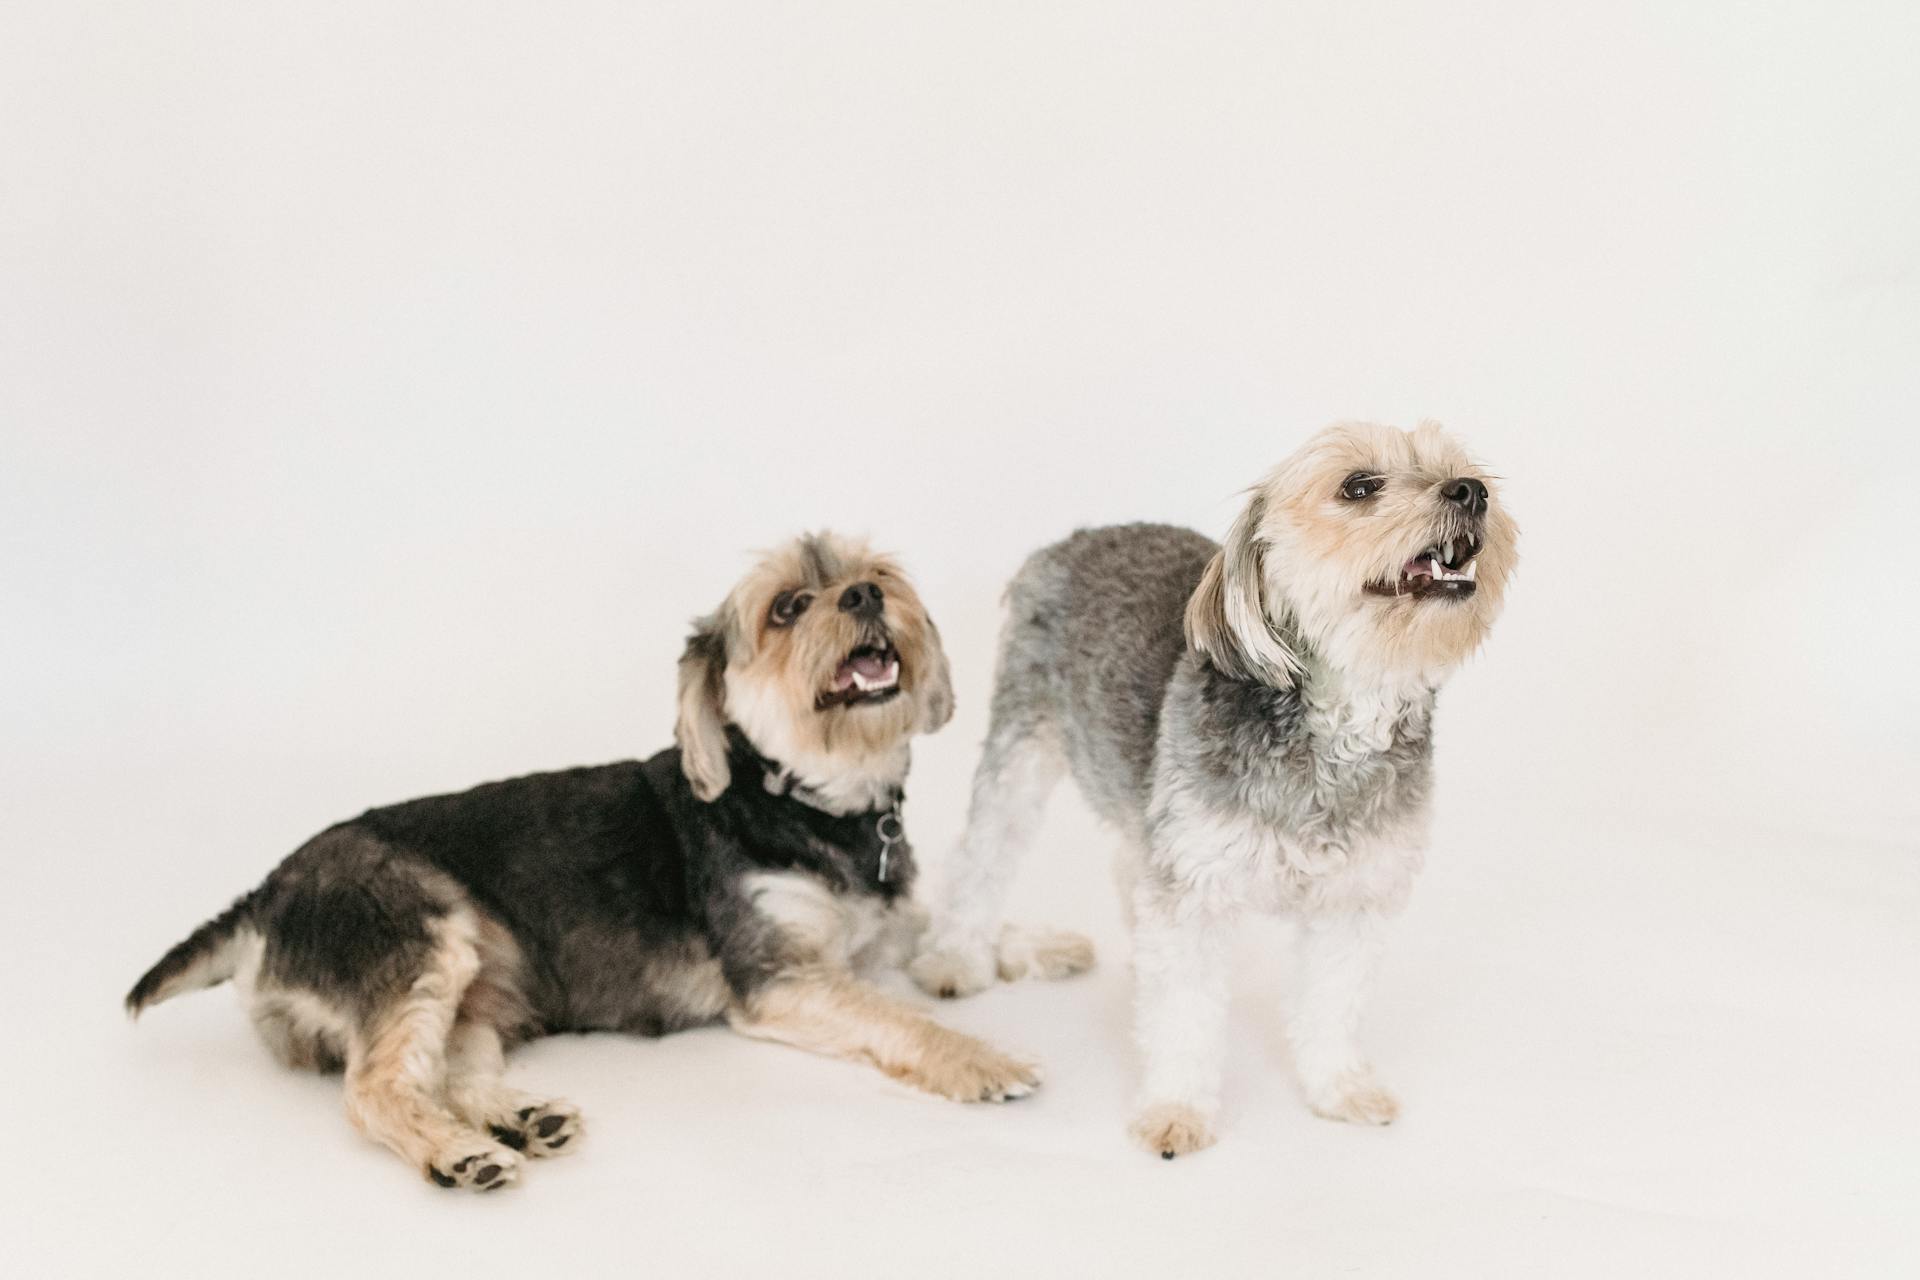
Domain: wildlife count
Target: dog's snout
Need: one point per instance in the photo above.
(862, 600)
(1468, 494)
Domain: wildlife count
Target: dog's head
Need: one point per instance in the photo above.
(824, 657)
(1386, 552)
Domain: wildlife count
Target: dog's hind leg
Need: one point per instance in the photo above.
(526, 1122)
(397, 1068)
(968, 947)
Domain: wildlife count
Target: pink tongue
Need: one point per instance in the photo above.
(1423, 567)
(871, 665)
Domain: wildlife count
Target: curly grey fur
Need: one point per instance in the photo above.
(1094, 652)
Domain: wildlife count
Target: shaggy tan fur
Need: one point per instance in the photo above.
(1024, 951)
(396, 1069)
(831, 1013)
(476, 1060)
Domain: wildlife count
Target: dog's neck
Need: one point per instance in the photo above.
(871, 785)
(1366, 712)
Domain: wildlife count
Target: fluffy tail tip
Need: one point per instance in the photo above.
(208, 957)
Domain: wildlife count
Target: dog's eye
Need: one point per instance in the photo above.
(787, 606)
(1361, 484)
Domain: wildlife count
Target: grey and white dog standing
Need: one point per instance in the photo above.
(1254, 718)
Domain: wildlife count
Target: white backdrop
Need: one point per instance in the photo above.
(383, 386)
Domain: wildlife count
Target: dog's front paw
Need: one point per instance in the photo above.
(1356, 1098)
(543, 1129)
(475, 1165)
(1169, 1129)
(1043, 953)
(966, 1070)
(949, 972)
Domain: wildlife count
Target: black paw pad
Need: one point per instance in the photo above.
(1166, 1155)
(509, 1137)
(549, 1126)
(558, 1143)
(443, 1179)
(487, 1174)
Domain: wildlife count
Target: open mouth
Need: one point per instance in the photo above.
(1444, 570)
(871, 673)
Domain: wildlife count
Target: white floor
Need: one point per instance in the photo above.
(1621, 1051)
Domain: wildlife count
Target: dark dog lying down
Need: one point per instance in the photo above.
(745, 874)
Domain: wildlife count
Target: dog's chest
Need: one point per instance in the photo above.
(822, 924)
(1354, 766)
(1288, 870)
(1327, 810)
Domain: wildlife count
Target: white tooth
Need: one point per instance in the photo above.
(1446, 551)
(859, 681)
(1473, 567)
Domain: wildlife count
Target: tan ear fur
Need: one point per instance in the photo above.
(937, 691)
(701, 725)
(1227, 617)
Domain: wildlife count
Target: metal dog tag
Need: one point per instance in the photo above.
(891, 832)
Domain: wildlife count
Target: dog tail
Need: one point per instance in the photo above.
(208, 957)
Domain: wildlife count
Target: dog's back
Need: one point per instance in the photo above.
(1094, 629)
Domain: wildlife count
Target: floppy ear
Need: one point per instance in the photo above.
(701, 727)
(936, 694)
(1227, 617)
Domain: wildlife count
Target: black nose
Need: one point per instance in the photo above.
(1467, 493)
(862, 600)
